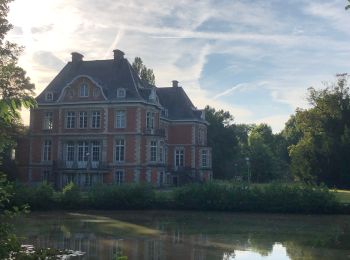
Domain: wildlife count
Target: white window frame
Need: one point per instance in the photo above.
(95, 151)
(96, 119)
(179, 157)
(153, 151)
(49, 96)
(119, 150)
(84, 90)
(150, 119)
(204, 158)
(70, 156)
(121, 93)
(119, 176)
(83, 119)
(83, 151)
(48, 121)
(47, 150)
(120, 119)
(70, 120)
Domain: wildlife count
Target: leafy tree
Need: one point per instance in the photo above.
(145, 74)
(222, 139)
(322, 153)
(15, 92)
(348, 6)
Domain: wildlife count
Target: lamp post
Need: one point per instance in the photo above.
(248, 169)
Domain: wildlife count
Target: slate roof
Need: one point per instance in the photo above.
(113, 74)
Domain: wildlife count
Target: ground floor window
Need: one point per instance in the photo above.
(179, 157)
(119, 177)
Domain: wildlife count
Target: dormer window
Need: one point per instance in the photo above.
(49, 96)
(121, 93)
(84, 90)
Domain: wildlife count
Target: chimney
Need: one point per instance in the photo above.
(175, 83)
(77, 57)
(118, 55)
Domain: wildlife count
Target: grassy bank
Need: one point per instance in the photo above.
(216, 196)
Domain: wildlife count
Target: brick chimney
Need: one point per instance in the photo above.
(175, 83)
(76, 57)
(118, 55)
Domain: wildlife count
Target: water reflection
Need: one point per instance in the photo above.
(187, 235)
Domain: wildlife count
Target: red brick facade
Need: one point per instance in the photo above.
(78, 133)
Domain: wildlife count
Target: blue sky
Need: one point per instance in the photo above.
(255, 59)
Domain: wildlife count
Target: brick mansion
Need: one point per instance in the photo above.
(98, 122)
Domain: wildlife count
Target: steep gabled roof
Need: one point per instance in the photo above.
(178, 104)
(109, 74)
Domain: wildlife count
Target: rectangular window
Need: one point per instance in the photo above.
(119, 177)
(48, 121)
(153, 151)
(179, 157)
(150, 120)
(119, 150)
(83, 119)
(120, 120)
(84, 90)
(204, 157)
(70, 119)
(161, 151)
(45, 176)
(70, 152)
(83, 151)
(47, 151)
(96, 119)
(96, 151)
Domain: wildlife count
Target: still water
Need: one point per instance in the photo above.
(189, 235)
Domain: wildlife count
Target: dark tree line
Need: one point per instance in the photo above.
(313, 147)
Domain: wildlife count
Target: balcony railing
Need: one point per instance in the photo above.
(154, 131)
(88, 165)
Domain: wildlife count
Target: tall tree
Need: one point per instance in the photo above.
(322, 153)
(222, 139)
(143, 72)
(15, 88)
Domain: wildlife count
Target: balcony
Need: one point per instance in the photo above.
(154, 131)
(81, 165)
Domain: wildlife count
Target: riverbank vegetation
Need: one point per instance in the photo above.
(213, 196)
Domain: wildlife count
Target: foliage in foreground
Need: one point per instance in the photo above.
(218, 196)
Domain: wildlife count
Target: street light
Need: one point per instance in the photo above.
(248, 168)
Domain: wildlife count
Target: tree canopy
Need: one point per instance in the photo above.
(143, 72)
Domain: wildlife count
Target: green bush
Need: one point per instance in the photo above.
(283, 198)
(131, 196)
(71, 197)
(37, 197)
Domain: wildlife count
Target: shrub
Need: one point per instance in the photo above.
(71, 197)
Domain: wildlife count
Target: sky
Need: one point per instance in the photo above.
(255, 59)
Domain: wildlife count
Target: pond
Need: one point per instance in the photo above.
(189, 235)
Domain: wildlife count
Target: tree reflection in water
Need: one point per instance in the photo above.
(190, 235)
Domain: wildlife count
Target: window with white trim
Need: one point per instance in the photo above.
(49, 96)
(96, 150)
(150, 120)
(70, 152)
(204, 158)
(161, 151)
(70, 121)
(153, 151)
(83, 151)
(84, 90)
(119, 177)
(179, 157)
(48, 121)
(83, 119)
(47, 150)
(96, 119)
(119, 150)
(120, 119)
(121, 93)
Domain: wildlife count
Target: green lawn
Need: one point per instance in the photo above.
(343, 196)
